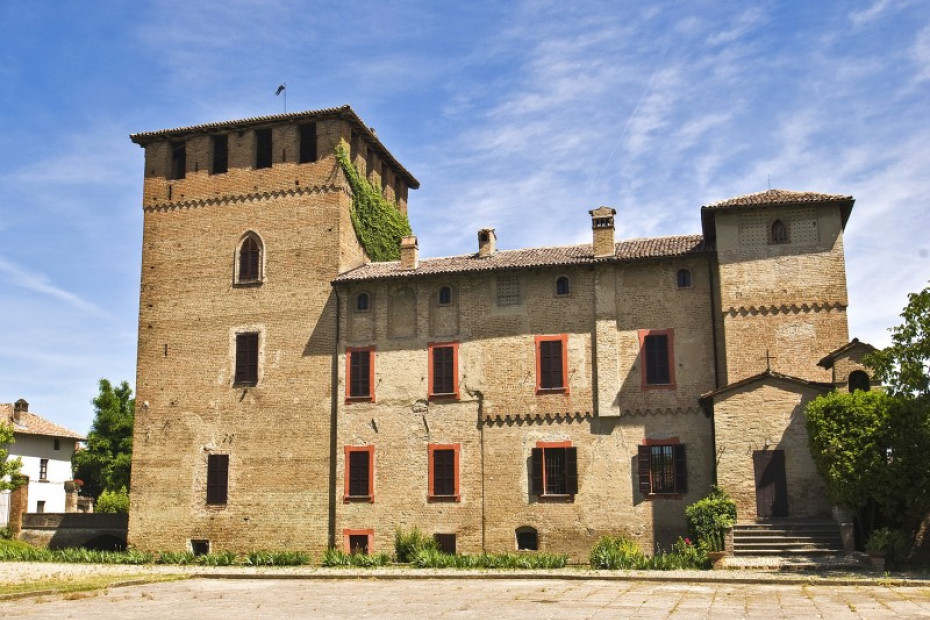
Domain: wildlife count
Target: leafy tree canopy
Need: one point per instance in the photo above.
(104, 465)
(8, 467)
(873, 451)
(904, 366)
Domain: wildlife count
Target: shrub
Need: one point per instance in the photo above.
(175, 557)
(223, 558)
(113, 502)
(710, 517)
(277, 558)
(6, 533)
(613, 552)
(433, 558)
(335, 557)
(890, 544)
(408, 544)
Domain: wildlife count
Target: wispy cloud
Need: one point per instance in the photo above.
(40, 283)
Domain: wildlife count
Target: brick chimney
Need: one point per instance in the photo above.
(487, 242)
(19, 407)
(409, 252)
(602, 222)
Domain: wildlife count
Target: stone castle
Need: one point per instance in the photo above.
(294, 394)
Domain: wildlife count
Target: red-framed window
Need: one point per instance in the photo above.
(444, 471)
(444, 370)
(359, 541)
(360, 473)
(663, 468)
(360, 373)
(657, 354)
(552, 364)
(555, 469)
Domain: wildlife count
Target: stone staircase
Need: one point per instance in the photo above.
(787, 539)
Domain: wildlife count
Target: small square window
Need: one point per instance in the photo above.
(445, 542)
(444, 297)
(662, 468)
(527, 539)
(57, 444)
(684, 278)
(200, 547)
(358, 541)
(40, 506)
(362, 302)
(563, 286)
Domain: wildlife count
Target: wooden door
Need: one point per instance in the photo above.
(771, 483)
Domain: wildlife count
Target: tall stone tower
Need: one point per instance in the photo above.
(782, 280)
(245, 225)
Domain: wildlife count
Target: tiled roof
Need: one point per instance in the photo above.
(31, 424)
(777, 197)
(765, 374)
(832, 356)
(345, 112)
(626, 251)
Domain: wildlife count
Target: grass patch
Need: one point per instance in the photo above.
(431, 558)
(67, 585)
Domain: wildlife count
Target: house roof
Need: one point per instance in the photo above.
(832, 356)
(762, 376)
(344, 112)
(772, 198)
(626, 251)
(31, 424)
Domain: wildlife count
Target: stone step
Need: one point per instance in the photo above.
(784, 552)
(788, 537)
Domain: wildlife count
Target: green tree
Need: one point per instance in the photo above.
(873, 451)
(8, 467)
(105, 464)
(904, 366)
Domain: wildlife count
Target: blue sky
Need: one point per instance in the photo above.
(517, 115)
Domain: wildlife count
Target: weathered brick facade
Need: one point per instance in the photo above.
(595, 363)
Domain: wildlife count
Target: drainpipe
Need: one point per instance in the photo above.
(333, 420)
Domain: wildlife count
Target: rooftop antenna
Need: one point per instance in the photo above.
(282, 88)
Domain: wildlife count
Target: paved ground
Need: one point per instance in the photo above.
(477, 598)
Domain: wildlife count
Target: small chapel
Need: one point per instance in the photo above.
(307, 381)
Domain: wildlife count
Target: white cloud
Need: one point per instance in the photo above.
(40, 283)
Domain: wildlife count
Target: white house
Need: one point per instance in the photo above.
(46, 450)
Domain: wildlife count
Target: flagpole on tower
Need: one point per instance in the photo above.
(282, 88)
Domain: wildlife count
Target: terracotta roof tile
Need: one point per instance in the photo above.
(31, 424)
(777, 197)
(146, 137)
(626, 251)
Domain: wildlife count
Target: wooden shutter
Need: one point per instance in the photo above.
(644, 458)
(681, 469)
(536, 464)
(217, 478)
(246, 358)
(571, 471)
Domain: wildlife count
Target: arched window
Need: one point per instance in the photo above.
(684, 278)
(779, 232)
(859, 381)
(445, 296)
(563, 286)
(527, 539)
(249, 264)
(362, 302)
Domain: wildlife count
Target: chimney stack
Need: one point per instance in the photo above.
(19, 407)
(602, 223)
(409, 252)
(487, 242)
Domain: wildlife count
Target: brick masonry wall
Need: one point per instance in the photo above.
(760, 416)
(277, 433)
